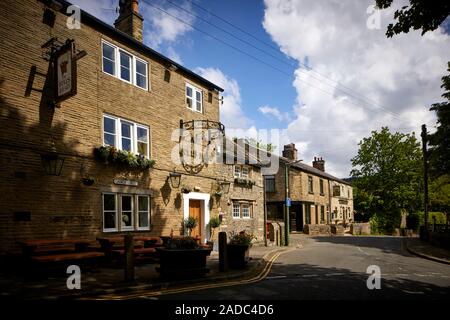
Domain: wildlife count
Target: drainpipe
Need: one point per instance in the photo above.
(329, 201)
(265, 211)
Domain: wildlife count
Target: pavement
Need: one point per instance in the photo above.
(110, 281)
(425, 250)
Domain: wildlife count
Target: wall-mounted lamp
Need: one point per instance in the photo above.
(175, 179)
(172, 67)
(225, 186)
(52, 162)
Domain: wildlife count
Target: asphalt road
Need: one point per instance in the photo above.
(336, 268)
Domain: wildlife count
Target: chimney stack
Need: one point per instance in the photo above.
(129, 20)
(290, 152)
(319, 164)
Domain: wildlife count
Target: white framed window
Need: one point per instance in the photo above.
(109, 212)
(125, 212)
(109, 131)
(143, 213)
(237, 171)
(241, 171)
(244, 172)
(194, 98)
(236, 210)
(126, 135)
(245, 211)
(124, 65)
(242, 210)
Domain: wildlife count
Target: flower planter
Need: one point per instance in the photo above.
(182, 263)
(238, 255)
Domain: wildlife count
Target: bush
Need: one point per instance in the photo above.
(185, 243)
(242, 238)
(190, 223)
(214, 223)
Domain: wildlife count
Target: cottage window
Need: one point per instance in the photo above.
(241, 171)
(236, 210)
(126, 135)
(242, 210)
(336, 191)
(143, 213)
(310, 184)
(322, 214)
(125, 66)
(109, 212)
(126, 212)
(270, 183)
(133, 212)
(194, 98)
(321, 186)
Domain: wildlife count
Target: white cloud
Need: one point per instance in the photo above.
(401, 76)
(273, 111)
(231, 113)
(165, 28)
(104, 10)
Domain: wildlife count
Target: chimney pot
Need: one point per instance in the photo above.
(319, 163)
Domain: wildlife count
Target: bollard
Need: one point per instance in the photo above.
(129, 257)
(223, 260)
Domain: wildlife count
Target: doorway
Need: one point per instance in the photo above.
(195, 211)
(296, 217)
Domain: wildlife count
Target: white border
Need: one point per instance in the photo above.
(205, 210)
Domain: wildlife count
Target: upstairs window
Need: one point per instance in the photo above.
(194, 98)
(242, 210)
(270, 183)
(336, 191)
(241, 171)
(125, 66)
(126, 135)
(321, 187)
(310, 184)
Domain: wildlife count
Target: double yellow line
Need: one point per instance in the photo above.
(256, 278)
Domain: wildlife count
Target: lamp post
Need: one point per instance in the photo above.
(286, 204)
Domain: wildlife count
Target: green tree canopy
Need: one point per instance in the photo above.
(420, 14)
(440, 140)
(388, 173)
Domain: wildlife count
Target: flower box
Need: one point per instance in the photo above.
(238, 255)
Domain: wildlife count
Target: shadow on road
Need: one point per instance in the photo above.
(385, 244)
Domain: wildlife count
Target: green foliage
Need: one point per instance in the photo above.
(387, 172)
(245, 182)
(184, 243)
(190, 223)
(125, 158)
(440, 140)
(242, 238)
(439, 193)
(420, 14)
(214, 223)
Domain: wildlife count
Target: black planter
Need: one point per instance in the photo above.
(238, 255)
(182, 263)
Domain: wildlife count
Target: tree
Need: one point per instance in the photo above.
(388, 177)
(440, 140)
(420, 14)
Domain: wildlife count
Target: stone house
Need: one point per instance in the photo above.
(129, 102)
(310, 190)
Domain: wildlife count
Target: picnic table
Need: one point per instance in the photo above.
(57, 250)
(144, 246)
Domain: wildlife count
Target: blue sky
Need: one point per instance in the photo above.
(360, 79)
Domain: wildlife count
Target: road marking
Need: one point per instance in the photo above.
(262, 275)
(334, 274)
(361, 250)
(413, 292)
(309, 275)
(276, 277)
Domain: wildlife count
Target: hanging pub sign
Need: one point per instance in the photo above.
(65, 72)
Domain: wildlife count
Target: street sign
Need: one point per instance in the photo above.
(288, 202)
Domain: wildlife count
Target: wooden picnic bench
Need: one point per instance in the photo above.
(53, 252)
(144, 247)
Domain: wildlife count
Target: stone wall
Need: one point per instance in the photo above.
(360, 228)
(317, 229)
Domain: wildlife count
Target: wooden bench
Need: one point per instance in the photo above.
(44, 254)
(144, 247)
